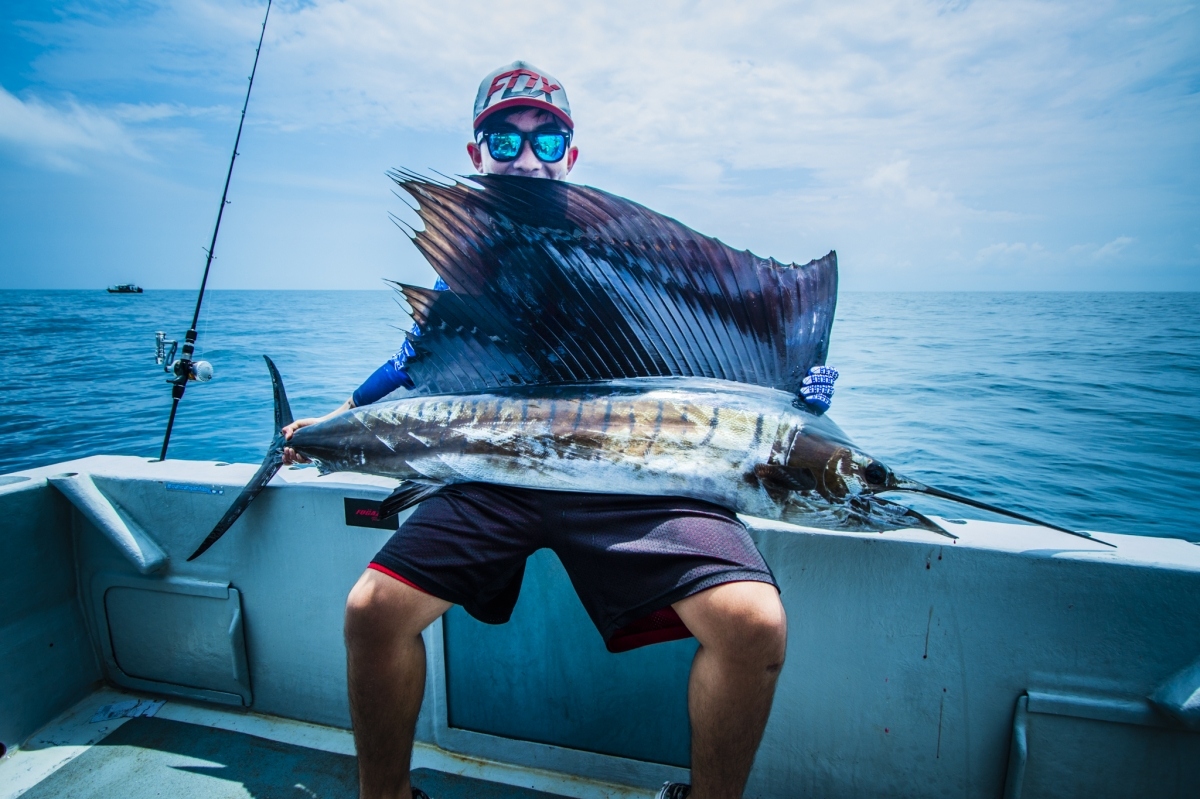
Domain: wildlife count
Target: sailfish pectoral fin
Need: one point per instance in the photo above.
(785, 477)
(271, 464)
(922, 521)
(407, 494)
(921, 488)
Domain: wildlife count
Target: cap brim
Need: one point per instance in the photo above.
(525, 102)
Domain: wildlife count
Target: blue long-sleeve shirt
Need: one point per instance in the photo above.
(392, 375)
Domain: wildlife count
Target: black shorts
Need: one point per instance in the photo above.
(629, 557)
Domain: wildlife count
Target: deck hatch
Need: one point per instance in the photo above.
(1100, 748)
(177, 637)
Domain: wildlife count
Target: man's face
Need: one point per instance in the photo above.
(526, 164)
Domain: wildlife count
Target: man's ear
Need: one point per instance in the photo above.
(477, 156)
(572, 157)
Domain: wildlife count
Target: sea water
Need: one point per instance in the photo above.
(1080, 408)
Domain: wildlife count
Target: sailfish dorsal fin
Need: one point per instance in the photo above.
(552, 282)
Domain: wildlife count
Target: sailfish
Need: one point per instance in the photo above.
(588, 343)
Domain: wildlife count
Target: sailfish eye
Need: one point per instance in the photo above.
(876, 473)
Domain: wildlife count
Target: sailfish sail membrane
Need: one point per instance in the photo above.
(553, 283)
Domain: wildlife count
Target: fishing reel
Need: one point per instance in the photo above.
(184, 369)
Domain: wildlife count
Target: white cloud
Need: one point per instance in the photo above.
(1113, 248)
(667, 86)
(60, 137)
(64, 137)
(1018, 249)
(1021, 250)
(893, 179)
(897, 132)
(158, 112)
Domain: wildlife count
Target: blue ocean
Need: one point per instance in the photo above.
(1080, 408)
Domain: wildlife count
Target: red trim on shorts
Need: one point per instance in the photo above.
(661, 625)
(390, 573)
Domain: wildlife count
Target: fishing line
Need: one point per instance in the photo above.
(186, 368)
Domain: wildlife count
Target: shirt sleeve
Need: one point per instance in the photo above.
(386, 379)
(392, 375)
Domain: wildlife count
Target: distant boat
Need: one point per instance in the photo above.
(125, 288)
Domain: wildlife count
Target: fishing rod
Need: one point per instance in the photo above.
(185, 369)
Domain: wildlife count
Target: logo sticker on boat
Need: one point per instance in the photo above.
(195, 489)
(365, 513)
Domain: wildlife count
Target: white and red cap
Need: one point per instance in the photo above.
(521, 84)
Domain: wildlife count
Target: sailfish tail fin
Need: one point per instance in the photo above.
(283, 410)
(271, 464)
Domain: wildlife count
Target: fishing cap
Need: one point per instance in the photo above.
(521, 84)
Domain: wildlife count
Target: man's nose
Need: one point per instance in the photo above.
(526, 160)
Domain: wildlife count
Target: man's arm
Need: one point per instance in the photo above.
(290, 455)
(383, 381)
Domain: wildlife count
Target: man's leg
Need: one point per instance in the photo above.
(743, 634)
(386, 668)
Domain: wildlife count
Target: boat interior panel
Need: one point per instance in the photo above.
(571, 692)
(1012, 662)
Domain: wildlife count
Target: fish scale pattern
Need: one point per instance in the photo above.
(551, 282)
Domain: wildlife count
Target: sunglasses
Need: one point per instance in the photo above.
(548, 146)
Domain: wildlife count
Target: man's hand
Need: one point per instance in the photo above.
(817, 389)
(290, 456)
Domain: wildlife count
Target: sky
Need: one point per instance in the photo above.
(958, 145)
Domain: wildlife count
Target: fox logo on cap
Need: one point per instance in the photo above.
(530, 88)
(521, 84)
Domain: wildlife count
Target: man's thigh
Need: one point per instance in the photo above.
(630, 557)
(467, 545)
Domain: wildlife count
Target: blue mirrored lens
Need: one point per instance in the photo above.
(504, 146)
(549, 147)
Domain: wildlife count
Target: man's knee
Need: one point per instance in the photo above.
(743, 621)
(759, 630)
(380, 607)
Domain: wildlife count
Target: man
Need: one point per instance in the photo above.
(647, 569)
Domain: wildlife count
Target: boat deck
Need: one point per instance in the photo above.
(201, 752)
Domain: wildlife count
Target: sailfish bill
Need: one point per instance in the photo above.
(921, 488)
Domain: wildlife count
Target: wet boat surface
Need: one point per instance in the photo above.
(191, 750)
